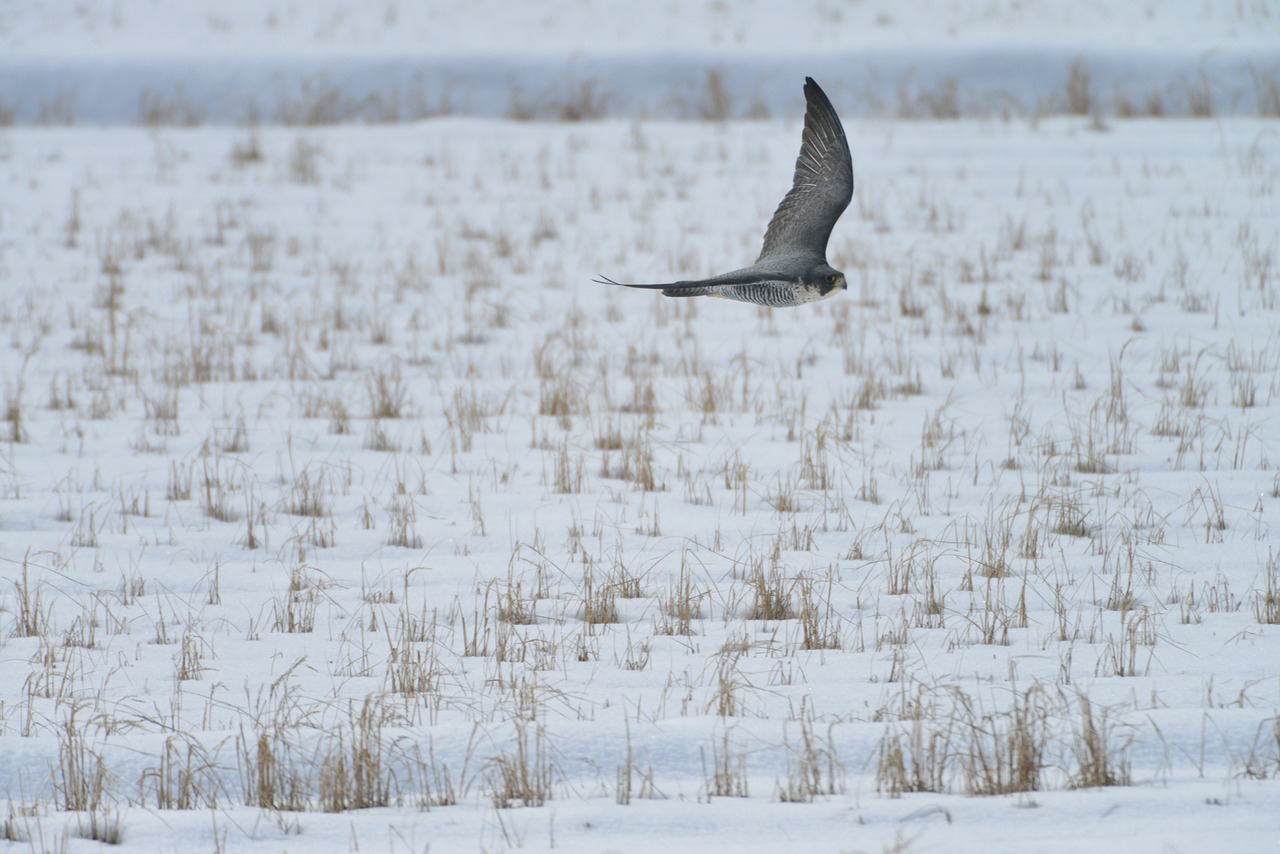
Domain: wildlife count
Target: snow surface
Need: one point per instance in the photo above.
(122, 62)
(237, 26)
(322, 455)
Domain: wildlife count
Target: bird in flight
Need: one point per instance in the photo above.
(792, 268)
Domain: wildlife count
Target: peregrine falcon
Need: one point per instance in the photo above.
(792, 268)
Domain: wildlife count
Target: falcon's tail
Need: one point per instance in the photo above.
(696, 288)
(669, 289)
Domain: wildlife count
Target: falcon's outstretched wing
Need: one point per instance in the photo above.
(821, 189)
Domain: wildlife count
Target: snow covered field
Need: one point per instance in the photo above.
(325, 61)
(340, 510)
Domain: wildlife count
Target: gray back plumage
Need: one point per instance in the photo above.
(821, 189)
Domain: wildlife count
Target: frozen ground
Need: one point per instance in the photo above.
(339, 509)
(126, 61)
(131, 26)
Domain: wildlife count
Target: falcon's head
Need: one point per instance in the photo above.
(826, 279)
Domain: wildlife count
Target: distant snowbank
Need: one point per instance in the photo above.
(364, 85)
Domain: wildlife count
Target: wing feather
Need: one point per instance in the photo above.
(821, 188)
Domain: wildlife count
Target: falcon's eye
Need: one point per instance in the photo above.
(831, 280)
